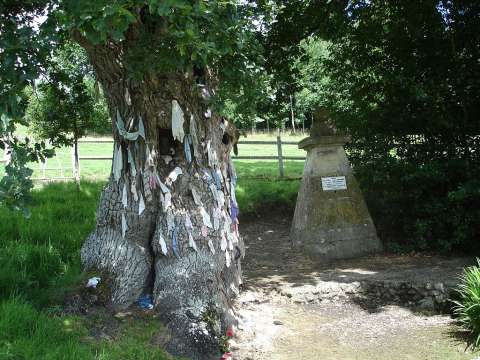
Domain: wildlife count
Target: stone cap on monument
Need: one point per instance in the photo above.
(323, 132)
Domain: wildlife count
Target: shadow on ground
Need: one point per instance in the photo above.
(420, 283)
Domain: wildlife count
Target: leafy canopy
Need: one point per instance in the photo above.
(64, 105)
(403, 79)
(156, 37)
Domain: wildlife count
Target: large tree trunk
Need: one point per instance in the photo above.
(183, 247)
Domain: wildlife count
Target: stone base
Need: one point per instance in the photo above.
(332, 224)
(337, 243)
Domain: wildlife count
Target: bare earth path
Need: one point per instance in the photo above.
(293, 308)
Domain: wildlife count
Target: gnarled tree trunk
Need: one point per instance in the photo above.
(167, 219)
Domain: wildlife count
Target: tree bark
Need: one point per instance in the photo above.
(183, 248)
(293, 115)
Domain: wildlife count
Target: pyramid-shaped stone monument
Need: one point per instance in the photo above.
(331, 218)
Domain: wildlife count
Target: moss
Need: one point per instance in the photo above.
(211, 318)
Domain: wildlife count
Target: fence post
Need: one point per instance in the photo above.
(44, 166)
(76, 163)
(280, 156)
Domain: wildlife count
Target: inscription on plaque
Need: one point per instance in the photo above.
(332, 183)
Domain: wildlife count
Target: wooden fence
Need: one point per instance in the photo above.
(76, 169)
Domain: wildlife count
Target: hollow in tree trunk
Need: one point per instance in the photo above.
(167, 219)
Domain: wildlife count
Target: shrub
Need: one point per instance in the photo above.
(467, 307)
(422, 205)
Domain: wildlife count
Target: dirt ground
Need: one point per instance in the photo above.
(294, 308)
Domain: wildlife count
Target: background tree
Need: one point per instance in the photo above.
(21, 63)
(311, 78)
(63, 107)
(402, 80)
(287, 24)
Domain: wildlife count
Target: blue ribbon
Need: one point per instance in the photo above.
(145, 302)
(218, 181)
(174, 243)
(234, 211)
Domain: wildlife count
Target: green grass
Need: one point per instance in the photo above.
(40, 256)
(253, 169)
(27, 333)
(133, 342)
(257, 196)
(40, 260)
(61, 164)
(30, 334)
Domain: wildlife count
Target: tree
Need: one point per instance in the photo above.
(409, 98)
(287, 24)
(21, 63)
(167, 219)
(63, 109)
(311, 77)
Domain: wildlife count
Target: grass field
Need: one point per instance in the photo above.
(61, 164)
(40, 259)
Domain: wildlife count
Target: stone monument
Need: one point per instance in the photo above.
(331, 218)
